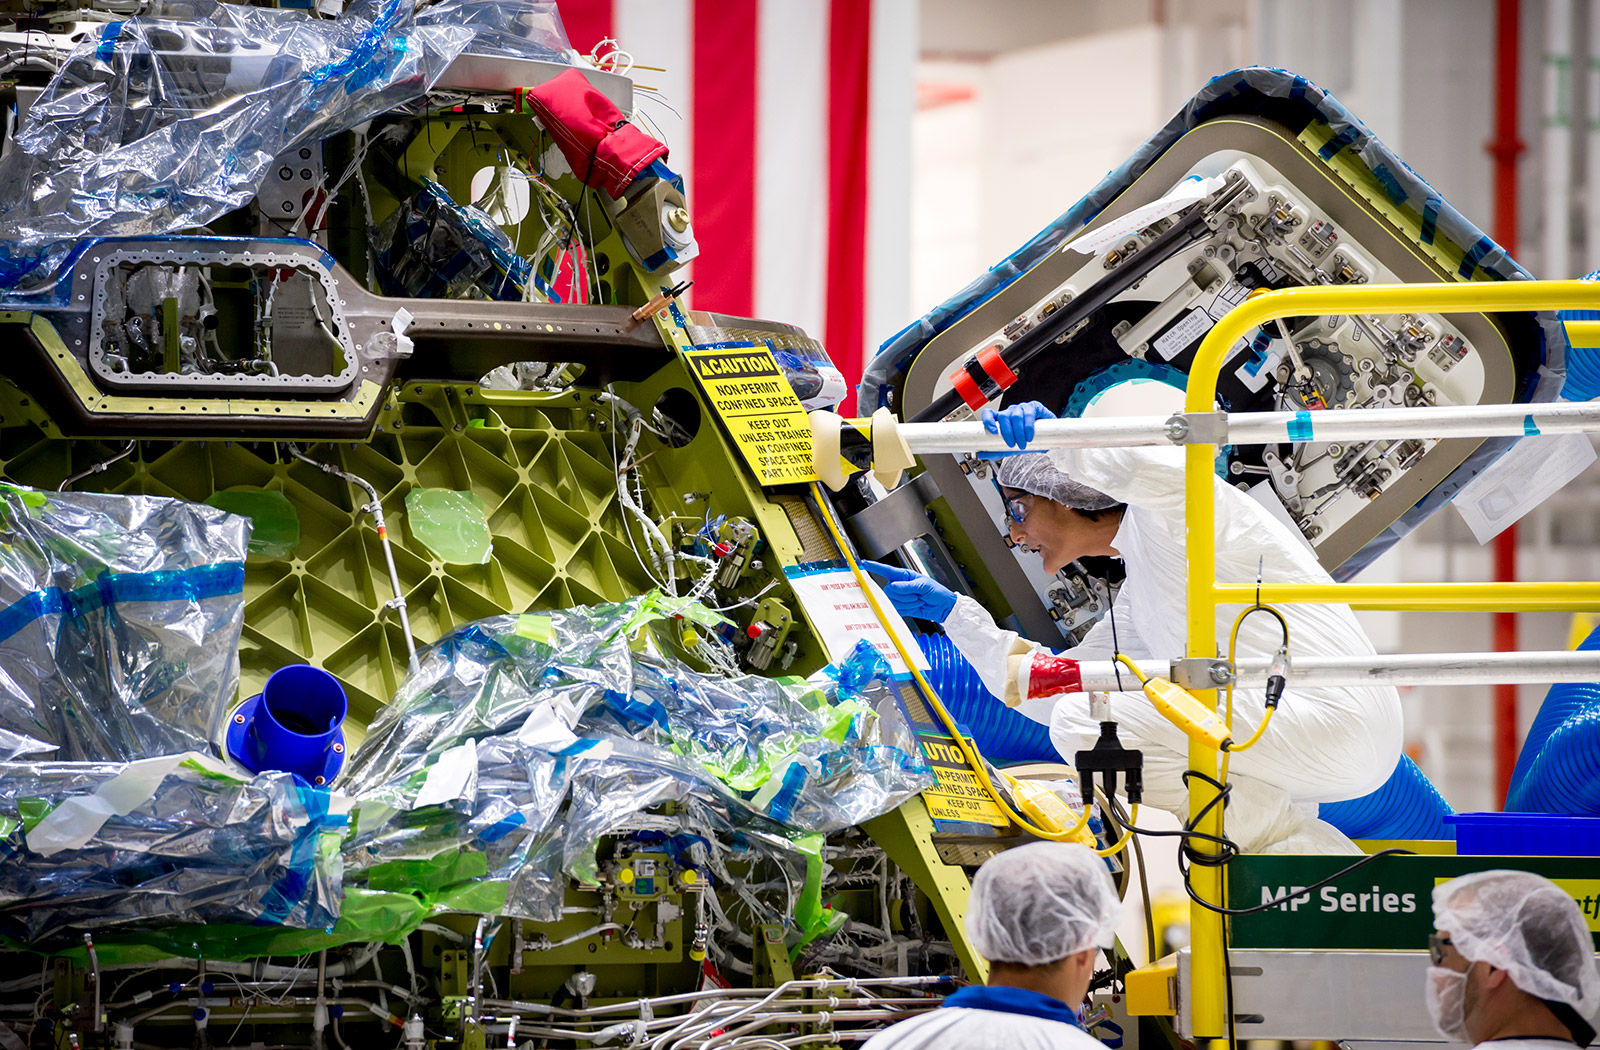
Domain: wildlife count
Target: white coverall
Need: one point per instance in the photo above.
(953, 1028)
(1325, 744)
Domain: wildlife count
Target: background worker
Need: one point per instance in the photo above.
(1513, 963)
(1325, 744)
(1039, 914)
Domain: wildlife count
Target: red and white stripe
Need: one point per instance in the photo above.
(790, 121)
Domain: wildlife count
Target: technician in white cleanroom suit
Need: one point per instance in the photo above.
(1513, 963)
(1038, 913)
(1325, 744)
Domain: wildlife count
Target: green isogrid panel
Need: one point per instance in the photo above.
(1387, 904)
(537, 462)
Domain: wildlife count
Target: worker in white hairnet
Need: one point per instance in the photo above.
(1513, 963)
(1038, 913)
(1325, 743)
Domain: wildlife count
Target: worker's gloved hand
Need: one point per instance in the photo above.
(1014, 425)
(912, 593)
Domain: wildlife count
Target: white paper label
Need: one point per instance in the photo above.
(1535, 469)
(837, 608)
(1195, 324)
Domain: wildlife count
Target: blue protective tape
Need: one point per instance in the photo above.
(1300, 427)
(1529, 427)
(173, 585)
(1391, 184)
(1338, 142)
(108, 41)
(637, 715)
(794, 780)
(1470, 261)
(501, 828)
(1430, 219)
(290, 888)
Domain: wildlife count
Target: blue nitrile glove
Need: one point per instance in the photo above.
(1014, 425)
(912, 593)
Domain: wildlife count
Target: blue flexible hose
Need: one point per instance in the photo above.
(1407, 806)
(1559, 768)
(1583, 362)
(1003, 735)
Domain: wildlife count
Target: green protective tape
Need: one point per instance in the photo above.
(535, 627)
(210, 772)
(450, 524)
(1300, 427)
(660, 606)
(364, 915)
(428, 876)
(274, 522)
(814, 919)
(33, 810)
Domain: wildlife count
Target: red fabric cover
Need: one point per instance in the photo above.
(605, 151)
(1050, 675)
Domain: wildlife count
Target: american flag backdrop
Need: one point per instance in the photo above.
(790, 121)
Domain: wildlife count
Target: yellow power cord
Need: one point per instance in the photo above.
(968, 751)
(1233, 647)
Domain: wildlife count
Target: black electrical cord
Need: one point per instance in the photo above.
(1227, 850)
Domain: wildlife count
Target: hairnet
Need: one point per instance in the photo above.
(1040, 903)
(1526, 925)
(1034, 472)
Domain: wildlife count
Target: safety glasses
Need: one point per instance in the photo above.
(1436, 946)
(1016, 510)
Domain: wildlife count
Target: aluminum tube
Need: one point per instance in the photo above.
(930, 438)
(1445, 421)
(1265, 428)
(1384, 669)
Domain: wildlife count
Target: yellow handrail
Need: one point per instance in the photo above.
(1207, 989)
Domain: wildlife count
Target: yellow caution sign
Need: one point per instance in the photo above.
(957, 796)
(759, 409)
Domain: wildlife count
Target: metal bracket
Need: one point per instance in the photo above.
(1199, 672)
(1198, 428)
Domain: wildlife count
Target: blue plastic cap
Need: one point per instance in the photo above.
(199, 1013)
(292, 725)
(335, 1011)
(174, 988)
(207, 987)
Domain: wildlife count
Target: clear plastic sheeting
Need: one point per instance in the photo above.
(176, 839)
(161, 124)
(507, 28)
(119, 624)
(434, 248)
(532, 737)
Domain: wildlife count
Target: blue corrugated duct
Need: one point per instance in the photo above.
(1408, 806)
(1559, 768)
(1003, 735)
(1583, 363)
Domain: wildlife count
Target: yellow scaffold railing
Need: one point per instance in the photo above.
(1207, 988)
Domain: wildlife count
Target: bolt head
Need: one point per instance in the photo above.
(338, 749)
(239, 719)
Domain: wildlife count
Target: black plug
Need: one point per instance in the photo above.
(1277, 676)
(1108, 758)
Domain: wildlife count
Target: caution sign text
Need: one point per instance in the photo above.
(759, 409)
(957, 796)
